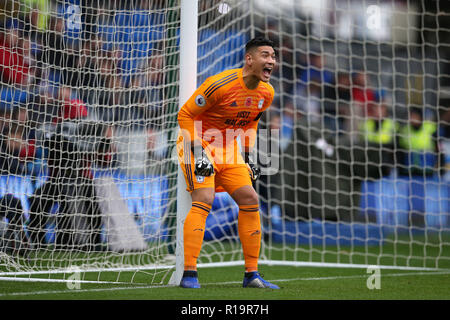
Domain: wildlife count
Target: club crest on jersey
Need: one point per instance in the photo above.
(200, 100)
(248, 102)
(200, 179)
(260, 103)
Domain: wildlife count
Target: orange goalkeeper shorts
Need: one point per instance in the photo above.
(228, 175)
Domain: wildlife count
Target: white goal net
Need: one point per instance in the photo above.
(355, 146)
(89, 102)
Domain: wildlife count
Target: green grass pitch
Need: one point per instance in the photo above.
(297, 283)
(225, 283)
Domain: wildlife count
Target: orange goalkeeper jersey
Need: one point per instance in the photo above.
(223, 107)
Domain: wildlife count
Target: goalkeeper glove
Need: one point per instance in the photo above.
(203, 166)
(253, 169)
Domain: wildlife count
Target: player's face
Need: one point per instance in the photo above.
(263, 62)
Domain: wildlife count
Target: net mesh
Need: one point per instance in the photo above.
(348, 180)
(89, 100)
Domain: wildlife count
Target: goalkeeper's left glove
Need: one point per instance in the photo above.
(203, 166)
(253, 168)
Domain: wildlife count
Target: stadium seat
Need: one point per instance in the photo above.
(392, 199)
(10, 96)
(148, 211)
(319, 232)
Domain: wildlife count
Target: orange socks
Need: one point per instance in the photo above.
(249, 228)
(194, 231)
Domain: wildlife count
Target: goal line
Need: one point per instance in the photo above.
(8, 275)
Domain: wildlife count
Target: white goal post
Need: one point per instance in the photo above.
(340, 188)
(188, 84)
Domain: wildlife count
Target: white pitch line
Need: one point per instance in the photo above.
(224, 264)
(71, 270)
(343, 277)
(57, 280)
(80, 290)
(217, 283)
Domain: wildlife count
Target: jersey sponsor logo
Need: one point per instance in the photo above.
(236, 122)
(248, 102)
(233, 104)
(260, 103)
(200, 100)
(243, 114)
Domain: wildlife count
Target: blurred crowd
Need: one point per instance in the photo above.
(338, 129)
(71, 77)
(60, 60)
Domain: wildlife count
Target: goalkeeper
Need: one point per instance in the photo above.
(226, 106)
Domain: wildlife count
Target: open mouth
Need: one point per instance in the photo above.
(267, 72)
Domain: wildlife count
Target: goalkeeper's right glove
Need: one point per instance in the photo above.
(203, 166)
(253, 169)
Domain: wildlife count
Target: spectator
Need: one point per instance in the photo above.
(146, 93)
(310, 91)
(419, 151)
(15, 154)
(43, 106)
(445, 134)
(308, 101)
(378, 137)
(5, 119)
(445, 123)
(60, 57)
(11, 146)
(88, 75)
(69, 183)
(108, 93)
(362, 94)
(37, 11)
(337, 102)
(316, 71)
(14, 68)
(284, 121)
(71, 107)
(420, 163)
(17, 145)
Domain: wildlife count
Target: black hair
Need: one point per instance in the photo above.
(258, 42)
